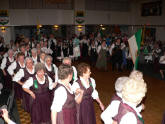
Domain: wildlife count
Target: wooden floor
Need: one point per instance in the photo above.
(154, 101)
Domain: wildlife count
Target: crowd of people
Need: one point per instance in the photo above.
(65, 94)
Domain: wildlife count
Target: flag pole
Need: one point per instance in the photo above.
(38, 30)
(144, 29)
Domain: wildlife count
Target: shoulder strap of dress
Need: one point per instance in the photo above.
(53, 69)
(46, 78)
(90, 82)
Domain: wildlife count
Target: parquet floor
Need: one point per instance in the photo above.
(24, 116)
(154, 101)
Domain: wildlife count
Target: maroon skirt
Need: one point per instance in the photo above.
(40, 108)
(18, 90)
(8, 81)
(67, 116)
(26, 102)
(86, 112)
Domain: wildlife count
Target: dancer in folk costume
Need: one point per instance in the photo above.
(59, 51)
(65, 49)
(85, 110)
(63, 109)
(21, 76)
(42, 58)
(22, 49)
(35, 57)
(84, 47)
(52, 43)
(38, 88)
(132, 94)
(116, 55)
(6, 62)
(46, 49)
(52, 72)
(13, 69)
(68, 61)
(51, 69)
(112, 110)
(93, 53)
(71, 49)
(76, 49)
(102, 56)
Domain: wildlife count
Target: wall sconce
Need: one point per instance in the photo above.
(79, 27)
(3, 29)
(39, 26)
(56, 27)
(103, 28)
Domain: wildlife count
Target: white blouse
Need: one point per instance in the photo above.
(41, 61)
(20, 74)
(29, 82)
(13, 66)
(55, 70)
(111, 48)
(76, 85)
(4, 61)
(100, 47)
(35, 60)
(111, 111)
(60, 97)
(162, 60)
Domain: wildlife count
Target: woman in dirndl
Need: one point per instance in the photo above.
(38, 88)
(85, 110)
(102, 56)
(63, 109)
(6, 62)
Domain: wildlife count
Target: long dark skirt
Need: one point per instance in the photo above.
(8, 82)
(161, 66)
(26, 102)
(86, 112)
(40, 108)
(67, 116)
(84, 50)
(102, 60)
(18, 90)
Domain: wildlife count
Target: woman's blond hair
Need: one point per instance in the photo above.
(134, 90)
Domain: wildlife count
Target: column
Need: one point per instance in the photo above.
(5, 29)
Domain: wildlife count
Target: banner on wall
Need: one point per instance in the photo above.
(4, 17)
(79, 17)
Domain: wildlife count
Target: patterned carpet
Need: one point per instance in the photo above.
(24, 116)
